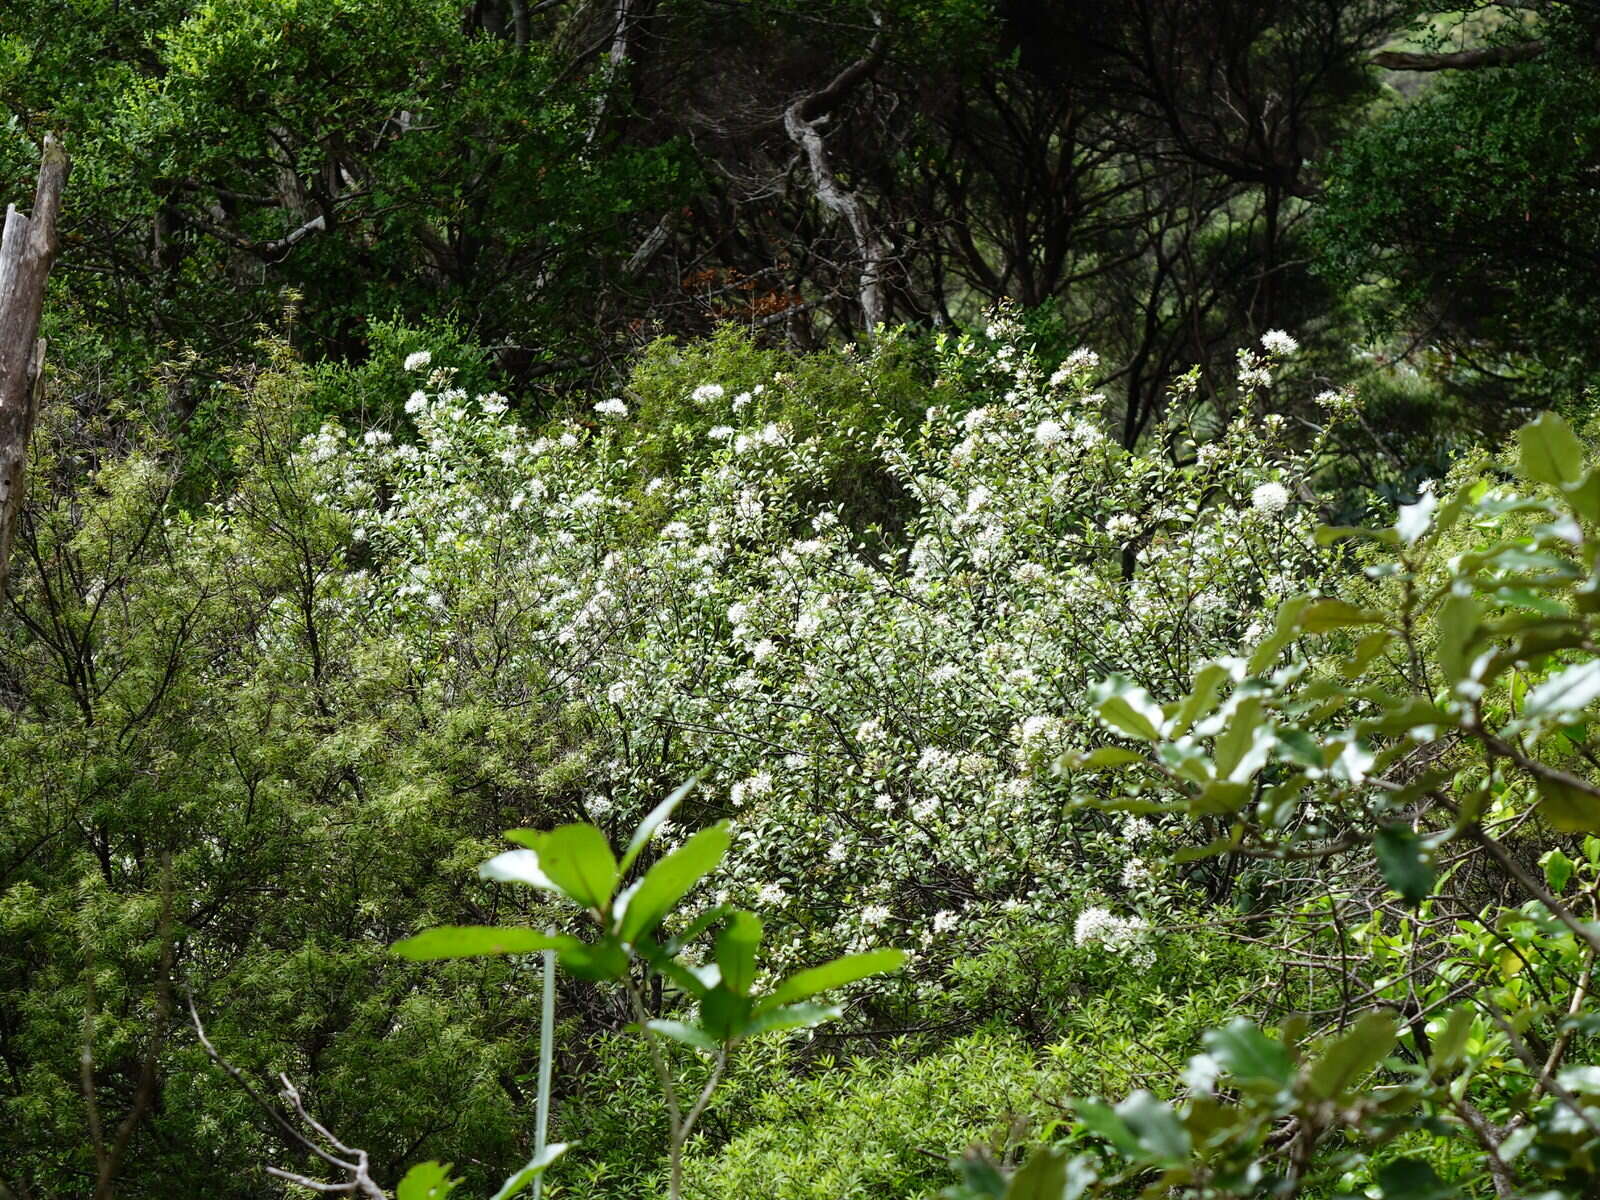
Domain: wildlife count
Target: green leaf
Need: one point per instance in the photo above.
(1558, 870)
(1326, 535)
(1099, 1119)
(1456, 624)
(689, 1035)
(478, 941)
(1240, 734)
(1401, 862)
(427, 1181)
(1249, 1055)
(1103, 756)
(1567, 808)
(790, 1016)
(1157, 1127)
(1207, 681)
(648, 826)
(1286, 628)
(1221, 797)
(833, 974)
(1412, 1179)
(577, 859)
(1348, 1058)
(1324, 615)
(1550, 451)
(1127, 707)
(669, 879)
(1584, 496)
(1451, 1040)
(1042, 1177)
(737, 945)
(1569, 691)
(605, 960)
(537, 1166)
(1051, 1175)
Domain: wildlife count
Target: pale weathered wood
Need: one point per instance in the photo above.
(27, 249)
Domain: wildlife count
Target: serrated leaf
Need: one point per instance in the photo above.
(1103, 756)
(828, 976)
(671, 878)
(1558, 870)
(1286, 627)
(1451, 1040)
(1207, 681)
(478, 941)
(1456, 623)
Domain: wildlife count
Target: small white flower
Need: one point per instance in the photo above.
(1270, 498)
(944, 922)
(494, 404)
(1049, 433)
(870, 732)
(1276, 341)
(416, 403)
(418, 359)
(612, 407)
(720, 433)
(875, 915)
(742, 399)
(707, 392)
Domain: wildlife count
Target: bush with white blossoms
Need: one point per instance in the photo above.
(882, 715)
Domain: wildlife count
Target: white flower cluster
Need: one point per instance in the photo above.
(882, 726)
(1124, 936)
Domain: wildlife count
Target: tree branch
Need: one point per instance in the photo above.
(1459, 60)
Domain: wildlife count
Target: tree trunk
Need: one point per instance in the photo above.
(27, 249)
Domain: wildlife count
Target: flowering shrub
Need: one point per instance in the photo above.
(880, 713)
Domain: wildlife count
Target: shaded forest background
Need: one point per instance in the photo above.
(560, 183)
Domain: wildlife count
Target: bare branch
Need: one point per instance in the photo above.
(1459, 60)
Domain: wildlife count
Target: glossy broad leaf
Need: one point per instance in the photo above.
(578, 859)
(647, 827)
(828, 976)
(427, 1181)
(669, 879)
(537, 1166)
(479, 941)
